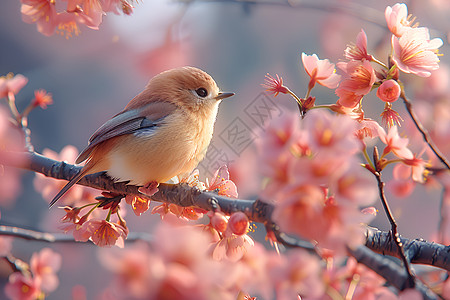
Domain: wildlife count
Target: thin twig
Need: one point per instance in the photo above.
(423, 131)
(395, 234)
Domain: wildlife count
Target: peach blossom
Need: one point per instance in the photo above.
(21, 287)
(11, 84)
(415, 53)
(330, 133)
(358, 51)
(139, 205)
(231, 247)
(358, 76)
(44, 266)
(296, 274)
(41, 12)
(275, 86)
(104, 233)
(320, 71)
(389, 91)
(395, 143)
(397, 19)
(221, 183)
(238, 223)
(49, 187)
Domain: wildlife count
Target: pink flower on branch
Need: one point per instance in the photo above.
(275, 86)
(42, 99)
(104, 233)
(398, 20)
(358, 51)
(11, 84)
(320, 71)
(395, 143)
(415, 53)
(22, 287)
(41, 12)
(44, 266)
(389, 91)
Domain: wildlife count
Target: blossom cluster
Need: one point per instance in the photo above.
(37, 279)
(89, 13)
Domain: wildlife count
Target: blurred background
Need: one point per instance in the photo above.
(92, 76)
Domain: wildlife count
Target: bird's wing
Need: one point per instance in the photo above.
(127, 122)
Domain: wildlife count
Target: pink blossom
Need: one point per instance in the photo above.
(335, 226)
(415, 53)
(11, 84)
(222, 183)
(21, 287)
(89, 12)
(358, 51)
(11, 141)
(359, 77)
(398, 20)
(231, 247)
(330, 133)
(320, 71)
(42, 12)
(138, 204)
(42, 99)
(389, 91)
(356, 185)
(44, 265)
(104, 233)
(275, 86)
(294, 274)
(133, 268)
(49, 187)
(395, 144)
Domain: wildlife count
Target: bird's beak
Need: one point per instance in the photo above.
(221, 95)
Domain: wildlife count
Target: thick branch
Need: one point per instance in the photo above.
(416, 250)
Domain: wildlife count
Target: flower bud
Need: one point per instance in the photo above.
(389, 91)
(238, 223)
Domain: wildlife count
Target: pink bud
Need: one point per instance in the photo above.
(219, 222)
(238, 223)
(389, 91)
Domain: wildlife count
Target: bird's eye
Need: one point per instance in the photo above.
(202, 92)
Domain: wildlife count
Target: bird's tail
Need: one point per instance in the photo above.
(73, 181)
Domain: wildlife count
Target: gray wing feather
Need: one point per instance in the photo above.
(123, 123)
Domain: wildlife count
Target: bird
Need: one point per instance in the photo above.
(162, 132)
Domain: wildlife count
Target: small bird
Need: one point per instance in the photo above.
(164, 131)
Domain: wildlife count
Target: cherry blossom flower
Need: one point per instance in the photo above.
(44, 265)
(42, 99)
(358, 51)
(134, 268)
(294, 274)
(221, 183)
(320, 71)
(275, 86)
(359, 76)
(389, 91)
(11, 140)
(104, 233)
(348, 98)
(395, 143)
(22, 287)
(402, 184)
(11, 84)
(398, 20)
(415, 53)
(232, 247)
(41, 12)
(138, 204)
(49, 187)
(335, 225)
(330, 133)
